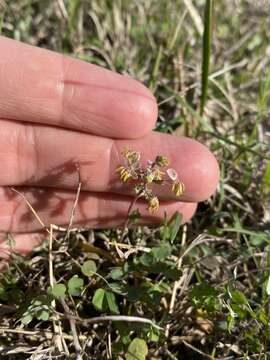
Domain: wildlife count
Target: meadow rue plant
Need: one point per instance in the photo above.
(144, 177)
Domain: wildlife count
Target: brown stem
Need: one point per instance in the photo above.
(133, 202)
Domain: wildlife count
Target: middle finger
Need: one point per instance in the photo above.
(50, 157)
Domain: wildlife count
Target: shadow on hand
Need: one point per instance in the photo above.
(43, 197)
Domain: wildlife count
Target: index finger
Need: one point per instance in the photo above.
(41, 86)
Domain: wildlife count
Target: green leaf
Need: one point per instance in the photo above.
(137, 350)
(204, 296)
(75, 286)
(174, 225)
(153, 335)
(146, 259)
(43, 315)
(26, 319)
(166, 270)
(73, 10)
(38, 307)
(59, 290)
(161, 252)
(89, 268)
(165, 232)
(118, 288)
(117, 348)
(262, 317)
(111, 301)
(257, 239)
(267, 289)
(99, 300)
(125, 339)
(203, 289)
(3, 294)
(117, 273)
(170, 229)
(241, 311)
(238, 297)
(230, 323)
(266, 179)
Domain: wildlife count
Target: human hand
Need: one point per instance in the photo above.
(58, 115)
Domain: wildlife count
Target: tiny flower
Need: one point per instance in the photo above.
(178, 188)
(131, 156)
(125, 151)
(153, 204)
(146, 175)
(119, 169)
(158, 175)
(162, 160)
(139, 189)
(150, 177)
(172, 174)
(124, 173)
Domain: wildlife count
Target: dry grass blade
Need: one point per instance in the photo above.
(206, 51)
(194, 15)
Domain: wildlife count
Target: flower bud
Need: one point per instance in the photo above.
(131, 156)
(158, 175)
(153, 204)
(125, 175)
(162, 160)
(178, 188)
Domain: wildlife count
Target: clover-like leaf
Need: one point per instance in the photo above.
(111, 301)
(75, 285)
(99, 300)
(137, 350)
(89, 268)
(59, 290)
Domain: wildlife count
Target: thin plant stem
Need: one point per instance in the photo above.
(206, 52)
(133, 202)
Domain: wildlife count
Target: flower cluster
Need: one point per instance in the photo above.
(144, 177)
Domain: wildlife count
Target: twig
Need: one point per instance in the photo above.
(178, 283)
(252, 356)
(39, 333)
(56, 327)
(197, 350)
(127, 246)
(133, 202)
(45, 227)
(11, 350)
(31, 208)
(200, 239)
(63, 9)
(125, 226)
(96, 250)
(109, 344)
(170, 355)
(105, 318)
(73, 211)
(76, 342)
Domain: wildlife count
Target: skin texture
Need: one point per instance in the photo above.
(58, 116)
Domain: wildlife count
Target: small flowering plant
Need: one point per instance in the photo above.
(144, 177)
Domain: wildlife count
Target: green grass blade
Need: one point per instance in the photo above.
(2, 15)
(206, 51)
